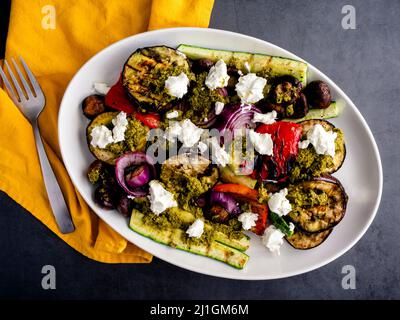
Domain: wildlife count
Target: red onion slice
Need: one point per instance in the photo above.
(138, 177)
(236, 116)
(226, 201)
(133, 159)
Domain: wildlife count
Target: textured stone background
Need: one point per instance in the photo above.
(364, 62)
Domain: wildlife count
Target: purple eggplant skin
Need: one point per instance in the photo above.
(339, 157)
(304, 241)
(320, 218)
(329, 178)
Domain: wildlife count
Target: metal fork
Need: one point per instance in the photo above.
(31, 105)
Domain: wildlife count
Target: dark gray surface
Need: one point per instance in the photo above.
(364, 63)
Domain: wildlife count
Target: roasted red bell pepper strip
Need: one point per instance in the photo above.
(116, 99)
(237, 190)
(152, 120)
(262, 211)
(286, 137)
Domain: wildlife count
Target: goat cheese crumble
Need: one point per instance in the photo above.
(101, 136)
(273, 239)
(250, 88)
(248, 220)
(219, 106)
(219, 155)
(177, 86)
(160, 199)
(217, 76)
(196, 229)
(278, 203)
(266, 118)
(190, 133)
(322, 140)
(120, 124)
(185, 131)
(262, 142)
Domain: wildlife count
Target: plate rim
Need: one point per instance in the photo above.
(311, 67)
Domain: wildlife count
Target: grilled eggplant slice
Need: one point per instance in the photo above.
(317, 205)
(303, 240)
(340, 149)
(145, 72)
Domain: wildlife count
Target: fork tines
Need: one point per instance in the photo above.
(19, 95)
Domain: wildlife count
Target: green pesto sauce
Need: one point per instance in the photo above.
(155, 80)
(202, 100)
(159, 74)
(263, 194)
(186, 188)
(98, 175)
(177, 218)
(306, 197)
(310, 164)
(165, 220)
(95, 175)
(135, 138)
(232, 229)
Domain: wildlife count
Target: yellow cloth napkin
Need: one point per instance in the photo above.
(56, 37)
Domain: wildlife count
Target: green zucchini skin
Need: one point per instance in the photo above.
(176, 238)
(241, 244)
(144, 74)
(271, 66)
(280, 223)
(332, 111)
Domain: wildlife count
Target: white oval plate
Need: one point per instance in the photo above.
(361, 173)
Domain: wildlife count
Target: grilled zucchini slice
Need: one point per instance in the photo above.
(340, 148)
(332, 111)
(303, 240)
(177, 238)
(262, 64)
(317, 205)
(145, 72)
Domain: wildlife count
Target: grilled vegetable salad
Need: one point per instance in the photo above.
(267, 170)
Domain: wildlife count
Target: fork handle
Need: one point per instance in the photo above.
(57, 201)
